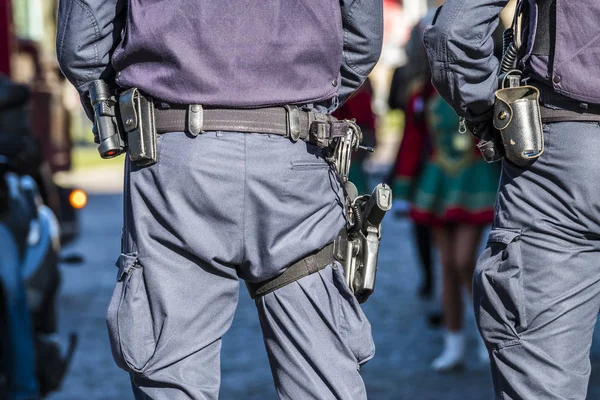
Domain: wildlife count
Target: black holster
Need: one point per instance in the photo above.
(137, 116)
(357, 247)
(518, 119)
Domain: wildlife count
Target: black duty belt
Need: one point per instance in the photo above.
(288, 121)
(307, 266)
(564, 115)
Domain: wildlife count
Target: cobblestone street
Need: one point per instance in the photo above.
(405, 343)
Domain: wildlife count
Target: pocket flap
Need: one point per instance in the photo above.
(125, 262)
(504, 236)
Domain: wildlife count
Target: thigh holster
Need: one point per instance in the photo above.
(304, 267)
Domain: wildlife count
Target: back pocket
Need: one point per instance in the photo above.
(317, 164)
(129, 318)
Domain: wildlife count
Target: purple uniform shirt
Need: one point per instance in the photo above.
(230, 53)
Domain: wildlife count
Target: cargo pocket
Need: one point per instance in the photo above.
(498, 289)
(354, 326)
(129, 318)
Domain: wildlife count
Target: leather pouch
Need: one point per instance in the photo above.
(517, 116)
(137, 114)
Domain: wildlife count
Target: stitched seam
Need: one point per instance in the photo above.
(235, 121)
(238, 128)
(445, 58)
(228, 122)
(63, 32)
(581, 50)
(118, 322)
(244, 199)
(309, 167)
(345, 19)
(94, 22)
(348, 17)
(254, 111)
(491, 15)
(510, 343)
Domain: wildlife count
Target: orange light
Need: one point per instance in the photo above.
(78, 199)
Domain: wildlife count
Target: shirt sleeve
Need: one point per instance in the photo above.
(460, 49)
(362, 23)
(88, 32)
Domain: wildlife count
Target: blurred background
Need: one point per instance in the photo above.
(405, 310)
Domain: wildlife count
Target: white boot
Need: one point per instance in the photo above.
(453, 355)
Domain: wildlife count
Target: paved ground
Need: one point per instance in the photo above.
(405, 345)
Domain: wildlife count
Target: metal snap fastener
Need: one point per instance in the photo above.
(128, 121)
(490, 153)
(556, 79)
(502, 116)
(334, 82)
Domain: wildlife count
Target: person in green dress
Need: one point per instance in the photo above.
(453, 193)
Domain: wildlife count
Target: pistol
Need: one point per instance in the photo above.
(358, 249)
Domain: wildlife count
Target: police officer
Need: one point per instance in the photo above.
(240, 188)
(537, 284)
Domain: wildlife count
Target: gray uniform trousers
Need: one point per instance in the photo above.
(537, 284)
(213, 208)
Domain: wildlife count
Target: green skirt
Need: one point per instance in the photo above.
(463, 196)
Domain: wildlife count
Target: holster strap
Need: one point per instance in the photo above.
(286, 121)
(306, 266)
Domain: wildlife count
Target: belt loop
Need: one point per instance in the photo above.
(128, 109)
(293, 122)
(319, 129)
(195, 119)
